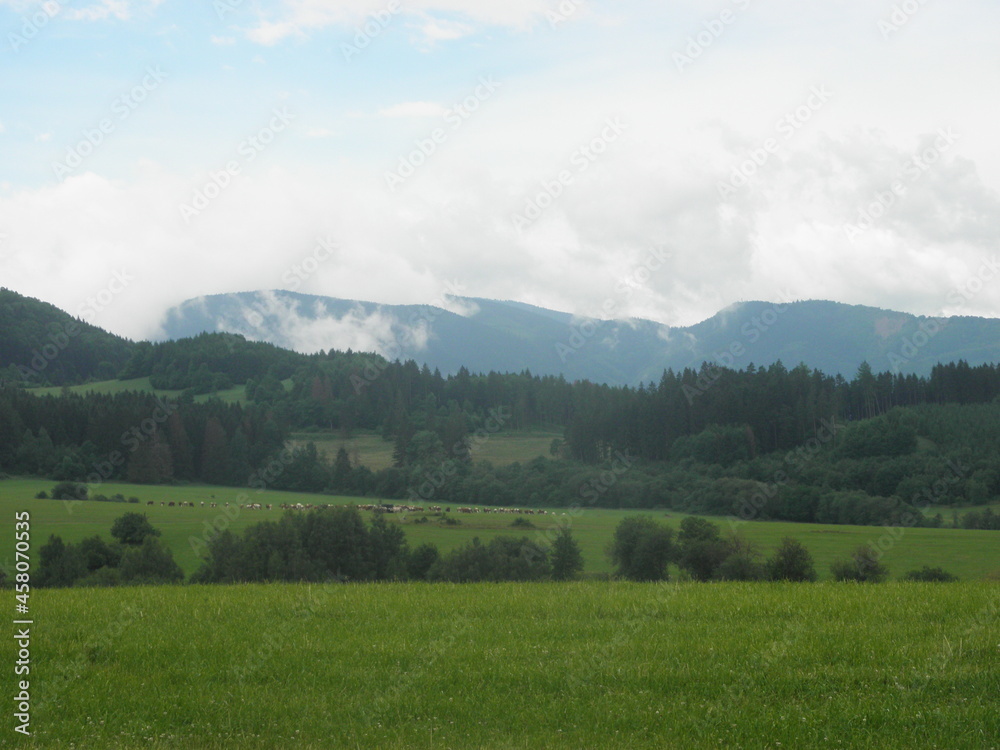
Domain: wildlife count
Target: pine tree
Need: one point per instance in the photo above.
(215, 453)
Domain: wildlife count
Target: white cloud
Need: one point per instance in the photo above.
(438, 30)
(319, 133)
(223, 41)
(783, 236)
(43, 137)
(105, 9)
(275, 317)
(298, 17)
(269, 34)
(414, 109)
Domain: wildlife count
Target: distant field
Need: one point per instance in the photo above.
(369, 449)
(579, 665)
(230, 396)
(365, 448)
(967, 554)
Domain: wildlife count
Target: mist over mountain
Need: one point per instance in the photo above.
(484, 335)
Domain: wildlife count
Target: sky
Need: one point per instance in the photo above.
(609, 158)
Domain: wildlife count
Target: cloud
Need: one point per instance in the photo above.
(223, 41)
(269, 34)
(414, 109)
(43, 137)
(588, 250)
(438, 30)
(105, 9)
(299, 17)
(310, 327)
(783, 236)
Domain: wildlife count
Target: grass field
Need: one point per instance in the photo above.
(967, 554)
(236, 395)
(582, 665)
(371, 450)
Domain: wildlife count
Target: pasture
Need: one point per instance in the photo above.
(578, 665)
(233, 395)
(369, 449)
(968, 554)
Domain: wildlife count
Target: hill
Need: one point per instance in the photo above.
(488, 335)
(44, 345)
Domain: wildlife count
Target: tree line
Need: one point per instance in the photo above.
(337, 545)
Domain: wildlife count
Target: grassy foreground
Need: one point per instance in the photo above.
(587, 665)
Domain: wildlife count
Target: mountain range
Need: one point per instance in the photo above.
(490, 335)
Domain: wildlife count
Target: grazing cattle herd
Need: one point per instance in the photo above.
(374, 508)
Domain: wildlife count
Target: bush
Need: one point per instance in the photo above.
(864, 566)
(43, 495)
(567, 560)
(641, 549)
(149, 562)
(927, 573)
(421, 560)
(701, 550)
(133, 528)
(791, 562)
(69, 491)
(742, 563)
(503, 559)
(522, 522)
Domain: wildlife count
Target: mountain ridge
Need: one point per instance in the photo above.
(511, 336)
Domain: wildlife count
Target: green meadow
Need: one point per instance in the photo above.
(968, 554)
(235, 395)
(578, 665)
(369, 449)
